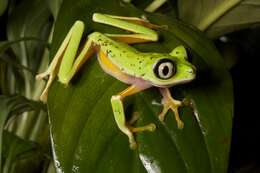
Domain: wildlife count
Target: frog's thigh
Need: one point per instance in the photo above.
(137, 20)
(141, 32)
(131, 38)
(53, 69)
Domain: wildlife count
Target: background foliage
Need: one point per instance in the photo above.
(96, 144)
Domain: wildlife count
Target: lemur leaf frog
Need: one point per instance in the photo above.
(118, 59)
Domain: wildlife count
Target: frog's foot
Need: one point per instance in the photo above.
(128, 129)
(132, 143)
(41, 76)
(44, 94)
(149, 127)
(170, 103)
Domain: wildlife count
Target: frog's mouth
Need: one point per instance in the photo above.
(176, 82)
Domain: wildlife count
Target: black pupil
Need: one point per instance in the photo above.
(165, 70)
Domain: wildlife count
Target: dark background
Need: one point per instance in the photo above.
(244, 156)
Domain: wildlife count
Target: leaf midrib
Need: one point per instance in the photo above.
(166, 130)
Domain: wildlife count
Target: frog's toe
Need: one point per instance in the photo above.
(149, 127)
(41, 76)
(174, 106)
(180, 124)
(133, 145)
(44, 97)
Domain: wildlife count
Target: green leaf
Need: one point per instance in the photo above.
(3, 5)
(220, 17)
(84, 133)
(4, 45)
(29, 19)
(13, 147)
(20, 155)
(13, 105)
(54, 6)
(245, 15)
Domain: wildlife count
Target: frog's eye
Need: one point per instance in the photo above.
(164, 68)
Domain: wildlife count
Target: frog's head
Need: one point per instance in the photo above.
(172, 69)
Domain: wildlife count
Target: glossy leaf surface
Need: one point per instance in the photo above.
(84, 134)
(3, 5)
(28, 20)
(10, 106)
(19, 155)
(220, 17)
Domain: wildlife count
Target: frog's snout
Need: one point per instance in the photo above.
(192, 70)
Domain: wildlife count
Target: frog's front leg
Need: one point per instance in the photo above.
(170, 103)
(118, 110)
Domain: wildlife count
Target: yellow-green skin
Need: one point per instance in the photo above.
(140, 65)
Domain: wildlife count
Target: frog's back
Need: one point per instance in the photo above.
(110, 46)
(125, 57)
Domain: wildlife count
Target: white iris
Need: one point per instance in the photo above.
(165, 70)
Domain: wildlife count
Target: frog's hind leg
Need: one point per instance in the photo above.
(141, 28)
(52, 70)
(134, 118)
(137, 20)
(170, 103)
(65, 63)
(123, 125)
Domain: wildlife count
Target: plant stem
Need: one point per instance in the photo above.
(155, 5)
(217, 12)
(40, 123)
